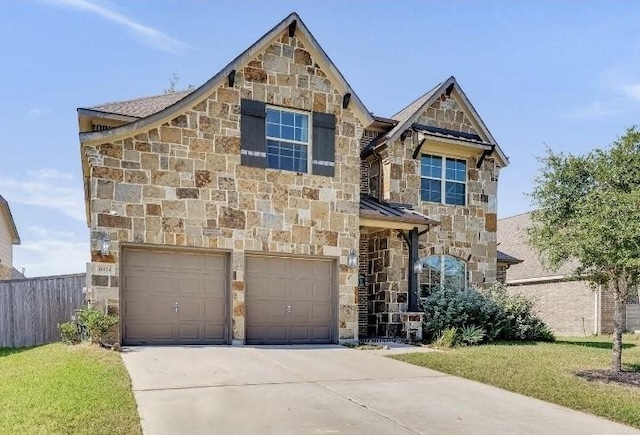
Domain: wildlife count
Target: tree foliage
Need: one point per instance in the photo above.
(588, 211)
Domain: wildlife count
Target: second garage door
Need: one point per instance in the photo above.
(289, 301)
(173, 297)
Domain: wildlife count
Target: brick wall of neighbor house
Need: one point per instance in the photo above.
(501, 273)
(182, 183)
(577, 299)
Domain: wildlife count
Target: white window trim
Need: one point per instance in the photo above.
(443, 180)
(309, 142)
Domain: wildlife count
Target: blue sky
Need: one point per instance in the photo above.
(563, 75)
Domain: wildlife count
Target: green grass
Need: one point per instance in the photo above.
(546, 371)
(58, 389)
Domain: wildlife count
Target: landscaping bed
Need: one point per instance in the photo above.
(60, 389)
(567, 372)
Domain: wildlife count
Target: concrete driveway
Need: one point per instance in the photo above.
(327, 390)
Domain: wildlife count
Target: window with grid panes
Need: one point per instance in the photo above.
(444, 180)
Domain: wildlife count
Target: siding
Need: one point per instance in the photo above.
(6, 247)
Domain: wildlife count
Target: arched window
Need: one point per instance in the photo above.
(443, 270)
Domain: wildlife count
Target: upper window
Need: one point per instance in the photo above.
(287, 140)
(443, 180)
(443, 270)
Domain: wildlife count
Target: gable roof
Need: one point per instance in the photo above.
(410, 114)
(203, 91)
(140, 107)
(4, 205)
(512, 238)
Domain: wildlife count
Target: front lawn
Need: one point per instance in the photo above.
(546, 371)
(58, 389)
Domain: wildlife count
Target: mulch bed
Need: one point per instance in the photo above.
(631, 379)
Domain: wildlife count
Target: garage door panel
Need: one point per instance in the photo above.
(135, 309)
(273, 284)
(155, 280)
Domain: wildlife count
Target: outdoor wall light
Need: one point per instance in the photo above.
(352, 259)
(105, 245)
(417, 266)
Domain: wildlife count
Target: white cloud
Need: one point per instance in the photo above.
(34, 113)
(48, 188)
(148, 34)
(51, 254)
(595, 109)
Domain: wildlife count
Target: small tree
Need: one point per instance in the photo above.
(588, 211)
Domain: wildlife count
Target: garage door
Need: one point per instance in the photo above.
(173, 297)
(289, 301)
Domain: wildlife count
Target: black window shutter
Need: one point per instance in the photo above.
(253, 141)
(324, 144)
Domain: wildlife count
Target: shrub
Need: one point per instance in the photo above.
(492, 311)
(69, 333)
(471, 335)
(97, 323)
(447, 338)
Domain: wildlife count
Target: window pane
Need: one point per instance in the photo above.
(442, 270)
(430, 190)
(455, 193)
(456, 170)
(273, 130)
(287, 133)
(431, 166)
(273, 116)
(287, 118)
(287, 156)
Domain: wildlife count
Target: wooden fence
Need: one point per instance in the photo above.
(633, 317)
(30, 309)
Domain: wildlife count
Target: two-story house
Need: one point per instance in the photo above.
(269, 206)
(8, 237)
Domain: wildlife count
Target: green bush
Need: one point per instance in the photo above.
(493, 311)
(69, 333)
(97, 323)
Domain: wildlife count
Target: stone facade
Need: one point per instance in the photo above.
(181, 183)
(5, 272)
(467, 232)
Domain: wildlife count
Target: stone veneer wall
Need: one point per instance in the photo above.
(388, 288)
(5, 272)
(467, 232)
(181, 184)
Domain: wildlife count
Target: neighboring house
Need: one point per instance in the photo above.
(568, 305)
(8, 237)
(270, 206)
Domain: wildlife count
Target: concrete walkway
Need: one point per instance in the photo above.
(327, 390)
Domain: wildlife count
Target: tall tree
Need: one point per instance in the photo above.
(588, 211)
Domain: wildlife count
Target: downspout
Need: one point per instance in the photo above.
(596, 306)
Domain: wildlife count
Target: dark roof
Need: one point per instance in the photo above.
(513, 238)
(141, 107)
(372, 208)
(12, 224)
(506, 258)
(446, 133)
